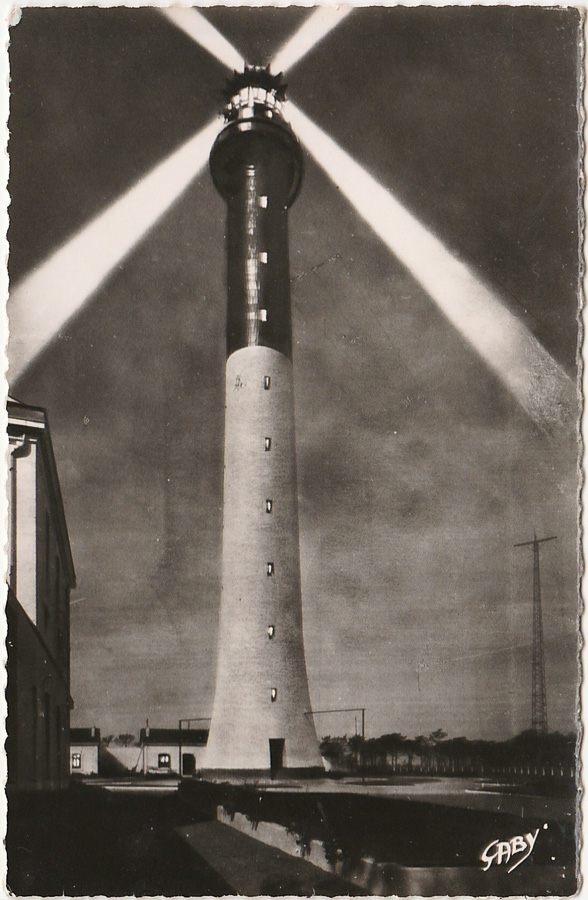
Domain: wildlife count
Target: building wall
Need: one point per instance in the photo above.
(52, 588)
(38, 701)
(23, 575)
(40, 577)
(88, 759)
(250, 664)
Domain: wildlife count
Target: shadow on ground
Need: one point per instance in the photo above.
(86, 841)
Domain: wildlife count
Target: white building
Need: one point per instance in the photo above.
(84, 751)
(163, 748)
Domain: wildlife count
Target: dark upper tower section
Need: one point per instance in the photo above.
(256, 165)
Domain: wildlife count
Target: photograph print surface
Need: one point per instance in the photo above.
(294, 464)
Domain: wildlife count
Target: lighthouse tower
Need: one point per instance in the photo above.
(260, 717)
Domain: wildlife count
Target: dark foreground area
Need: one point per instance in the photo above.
(138, 840)
(397, 829)
(87, 841)
(146, 838)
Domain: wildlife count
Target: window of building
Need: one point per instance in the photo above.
(59, 740)
(47, 553)
(263, 315)
(57, 582)
(262, 200)
(47, 720)
(270, 568)
(76, 760)
(263, 257)
(269, 506)
(62, 629)
(35, 717)
(163, 760)
(268, 443)
(266, 382)
(274, 694)
(271, 631)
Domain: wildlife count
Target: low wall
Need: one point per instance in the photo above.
(278, 836)
(384, 879)
(128, 759)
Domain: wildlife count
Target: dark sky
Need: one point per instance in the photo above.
(418, 471)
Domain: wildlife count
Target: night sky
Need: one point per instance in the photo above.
(417, 469)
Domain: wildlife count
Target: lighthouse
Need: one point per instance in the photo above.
(261, 714)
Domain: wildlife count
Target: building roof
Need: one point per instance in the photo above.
(84, 735)
(174, 736)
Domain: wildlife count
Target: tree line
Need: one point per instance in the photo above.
(527, 753)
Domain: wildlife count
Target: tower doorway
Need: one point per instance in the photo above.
(276, 748)
(188, 764)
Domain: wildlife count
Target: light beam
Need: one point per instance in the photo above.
(312, 30)
(535, 379)
(196, 26)
(46, 299)
(41, 304)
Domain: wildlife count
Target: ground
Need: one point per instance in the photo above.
(141, 838)
(88, 841)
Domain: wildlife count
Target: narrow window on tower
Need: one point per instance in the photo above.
(263, 315)
(269, 506)
(268, 443)
(271, 630)
(266, 382)
(270, 568)
(263, 256)
(262, 200)
(274, 694)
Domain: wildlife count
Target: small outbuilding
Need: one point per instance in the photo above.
(84, 744)
(164, 748)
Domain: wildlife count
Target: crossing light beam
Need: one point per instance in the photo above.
(41, 304)
(195, 25)
(533, 377)
(310, 33)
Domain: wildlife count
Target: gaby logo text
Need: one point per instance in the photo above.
(502, 852)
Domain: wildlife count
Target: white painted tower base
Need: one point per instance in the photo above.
(261, 683)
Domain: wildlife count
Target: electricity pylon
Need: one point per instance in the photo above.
(539, 697)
